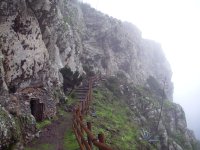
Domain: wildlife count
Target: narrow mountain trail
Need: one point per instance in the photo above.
(53, 136)
(58, 135)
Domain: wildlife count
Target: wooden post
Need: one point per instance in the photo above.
(82, 107)
(101, 139)
(88, 100)
(82, 131)
(85, 104)
(90, 91)
(77, 116)
(89, 126)
(78, 111)
(78, 138)
(81, 118)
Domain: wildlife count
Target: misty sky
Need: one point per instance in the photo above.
(176, 25)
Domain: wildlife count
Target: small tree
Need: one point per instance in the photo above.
(71, 79)
(163, 95)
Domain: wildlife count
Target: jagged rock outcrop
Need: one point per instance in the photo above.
(164, 127)
(112, 46)
(39, 37)
(8, 129)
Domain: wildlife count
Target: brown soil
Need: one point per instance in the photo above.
(53, 134)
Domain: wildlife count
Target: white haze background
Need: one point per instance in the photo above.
(176, 25)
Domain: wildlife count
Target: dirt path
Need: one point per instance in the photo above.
(53, 137)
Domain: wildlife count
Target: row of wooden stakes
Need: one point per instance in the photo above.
(83, 132)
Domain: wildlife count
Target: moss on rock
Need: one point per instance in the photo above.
(9, 133)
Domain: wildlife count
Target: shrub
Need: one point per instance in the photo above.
(71, 79)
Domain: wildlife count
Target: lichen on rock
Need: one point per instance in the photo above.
(39, 38)
(8, 129)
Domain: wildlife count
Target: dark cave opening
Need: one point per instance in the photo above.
(37, 109)
(12, 89)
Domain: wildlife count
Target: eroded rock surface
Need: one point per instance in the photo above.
(39, 37)
(9, 133)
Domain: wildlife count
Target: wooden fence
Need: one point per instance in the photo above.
(83, 132)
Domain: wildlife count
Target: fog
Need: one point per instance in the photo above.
(176, 25)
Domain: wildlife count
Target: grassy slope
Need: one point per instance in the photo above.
(114, 118)
(70, 142)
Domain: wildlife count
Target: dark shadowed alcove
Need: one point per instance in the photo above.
(12, 89)
(71, 79)
(37, 109)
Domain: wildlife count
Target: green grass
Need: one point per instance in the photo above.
(42, 147)
(46, 122)
(62, 112)
(113, 119)
(71, 100)
(40, 125)
(70, 141)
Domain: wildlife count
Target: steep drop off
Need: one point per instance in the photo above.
(40, 37)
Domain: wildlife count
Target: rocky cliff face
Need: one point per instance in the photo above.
(113, 46)
(171, 127)
(39, 37)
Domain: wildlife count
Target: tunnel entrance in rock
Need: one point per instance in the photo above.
(37, 109)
